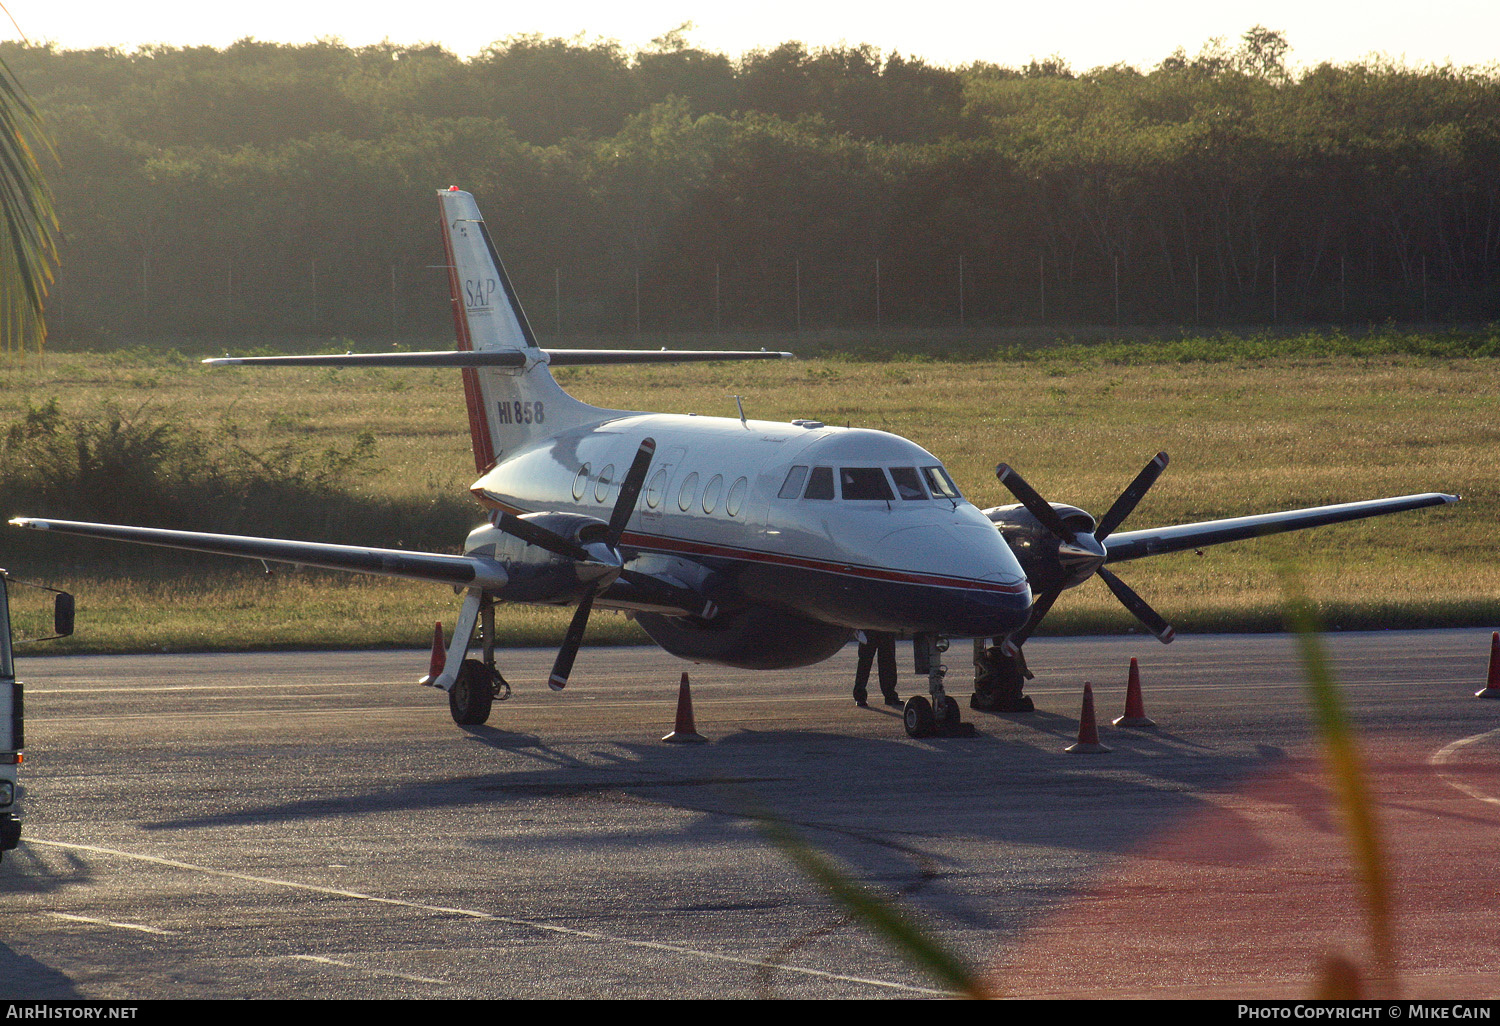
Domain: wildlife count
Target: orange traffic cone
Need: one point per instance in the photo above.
(439, 657)
(1492, 689)
(1088, 730)
(1135, 709)
(685, 732)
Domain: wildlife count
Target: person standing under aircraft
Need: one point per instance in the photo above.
(871, 645)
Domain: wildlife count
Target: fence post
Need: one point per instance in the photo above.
(797, 279)
(960, 290)
(1117, 293)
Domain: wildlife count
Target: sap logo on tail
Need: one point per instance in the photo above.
(477, 292)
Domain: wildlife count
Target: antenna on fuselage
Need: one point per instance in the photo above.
(739, 406)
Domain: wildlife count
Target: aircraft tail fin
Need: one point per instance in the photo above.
(508, 406)
(512, 398)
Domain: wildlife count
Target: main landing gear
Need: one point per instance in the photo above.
(939, 715)
(999, 680)
(477, 684)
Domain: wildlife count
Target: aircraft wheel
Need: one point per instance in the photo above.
(918, 716)
(947, 715)
(472, 694)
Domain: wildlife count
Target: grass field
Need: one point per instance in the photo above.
(1249, 429)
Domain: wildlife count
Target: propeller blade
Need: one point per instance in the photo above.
(1011, 646)
(541, 537)
(1032, 500)
(562, 667)
(1132, 495)
(630, 491)
(1137, 605)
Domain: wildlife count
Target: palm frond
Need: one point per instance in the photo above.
(28, 241)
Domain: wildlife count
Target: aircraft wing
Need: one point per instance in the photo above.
(421, 566)
(632, 590)
(1125, 545)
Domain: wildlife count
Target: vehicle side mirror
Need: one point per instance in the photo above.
(62, 615)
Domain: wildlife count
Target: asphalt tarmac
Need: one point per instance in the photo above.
(313, 825)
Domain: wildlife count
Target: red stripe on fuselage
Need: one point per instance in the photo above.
(479, 424)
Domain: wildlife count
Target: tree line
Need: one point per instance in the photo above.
(266, 191)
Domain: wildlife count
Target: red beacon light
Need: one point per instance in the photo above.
(453, 188)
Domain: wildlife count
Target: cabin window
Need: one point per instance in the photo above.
(941, 484)
(581, 482)
(736, 497)
(606, 478)
(688, 494)
(792, 486)
(655, 488)
(711, 493)
(908, 483)
(864, 483)
(820, 484)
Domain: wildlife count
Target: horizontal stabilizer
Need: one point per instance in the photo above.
(1158, 540)
(502, 358)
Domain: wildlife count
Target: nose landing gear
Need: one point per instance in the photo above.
(940, 715)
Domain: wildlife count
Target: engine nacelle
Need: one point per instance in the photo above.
(1040, 552)
(538, 575)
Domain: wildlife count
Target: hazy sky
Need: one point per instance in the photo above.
(1085, 32)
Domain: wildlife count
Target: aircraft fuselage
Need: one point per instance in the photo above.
(867, 542)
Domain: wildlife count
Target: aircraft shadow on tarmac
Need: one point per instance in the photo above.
(845, 793)
(38, 871)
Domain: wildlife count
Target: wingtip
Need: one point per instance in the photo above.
(35, 525)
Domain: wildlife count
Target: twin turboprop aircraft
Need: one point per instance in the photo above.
(740, 542)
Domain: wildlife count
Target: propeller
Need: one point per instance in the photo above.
(536, 534)
(1083, 555)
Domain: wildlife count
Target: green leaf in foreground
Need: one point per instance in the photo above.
(1346, 768)
(878, 915)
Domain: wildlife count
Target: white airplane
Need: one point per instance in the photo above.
(732, 541)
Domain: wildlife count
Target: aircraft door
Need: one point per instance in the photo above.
(657, 497)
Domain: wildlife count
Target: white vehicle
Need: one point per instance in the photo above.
(733, 541)
(13, 705)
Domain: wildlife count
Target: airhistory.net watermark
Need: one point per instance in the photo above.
(49, 1011)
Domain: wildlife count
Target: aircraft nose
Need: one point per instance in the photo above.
(996, 605)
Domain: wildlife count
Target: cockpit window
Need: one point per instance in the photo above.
(908, 483)
(792, 486)
(941, 484)
(820, 484)
(864, 483)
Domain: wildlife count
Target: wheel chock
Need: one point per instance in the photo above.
(1135, 709)
(685, 732)
(1492, 688)
(1088, 730)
